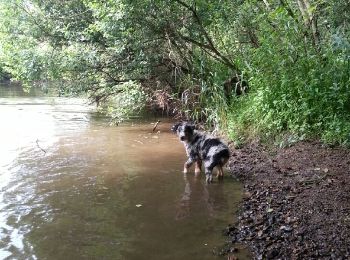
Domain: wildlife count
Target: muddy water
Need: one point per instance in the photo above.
(73, 187)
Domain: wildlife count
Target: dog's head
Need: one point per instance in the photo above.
(184, 131)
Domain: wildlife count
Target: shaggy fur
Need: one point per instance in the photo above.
(202, 148)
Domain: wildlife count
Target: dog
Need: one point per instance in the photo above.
(201, 147)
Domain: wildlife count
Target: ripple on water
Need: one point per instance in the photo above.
(79, 199)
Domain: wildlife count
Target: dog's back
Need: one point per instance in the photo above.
(208, 148)
(201, 147)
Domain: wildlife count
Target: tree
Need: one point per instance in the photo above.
(192, 58)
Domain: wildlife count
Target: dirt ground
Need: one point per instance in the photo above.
(296, 202)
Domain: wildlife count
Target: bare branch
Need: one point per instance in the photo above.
(210, 45)
(37, 143)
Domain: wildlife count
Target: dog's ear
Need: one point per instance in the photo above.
(175, 127)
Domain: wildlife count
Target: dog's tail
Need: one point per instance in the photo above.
(224, 156)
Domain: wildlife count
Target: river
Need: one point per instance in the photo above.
(74, 187)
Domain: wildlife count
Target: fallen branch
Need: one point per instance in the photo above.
(155, 126)
(37, 143)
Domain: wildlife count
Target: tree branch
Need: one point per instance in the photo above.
(210, 45)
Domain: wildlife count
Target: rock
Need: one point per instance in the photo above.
(271, 254)
(286, 228)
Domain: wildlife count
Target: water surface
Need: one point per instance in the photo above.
(73, 187)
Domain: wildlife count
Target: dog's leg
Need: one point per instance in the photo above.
(198, 167)
(220, 172)
(208, 172)
(208, 176)
(187, 165)
(208, 165)
(220, 167)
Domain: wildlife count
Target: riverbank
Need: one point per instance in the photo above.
(296, 201)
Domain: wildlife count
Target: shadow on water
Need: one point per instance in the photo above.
(102, 192)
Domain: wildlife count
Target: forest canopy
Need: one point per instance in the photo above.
(266, 68)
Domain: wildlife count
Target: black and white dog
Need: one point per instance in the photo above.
(202, 148)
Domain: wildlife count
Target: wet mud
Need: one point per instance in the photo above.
(296, 202)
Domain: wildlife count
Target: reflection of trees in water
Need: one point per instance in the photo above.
(199, 196)
(15, 89)
(65, 199)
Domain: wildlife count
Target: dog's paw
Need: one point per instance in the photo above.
(209, 178)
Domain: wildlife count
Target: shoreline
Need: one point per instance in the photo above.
(296, 201)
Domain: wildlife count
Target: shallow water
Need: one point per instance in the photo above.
(73, 187)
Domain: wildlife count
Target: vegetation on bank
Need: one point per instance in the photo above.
(253, 68)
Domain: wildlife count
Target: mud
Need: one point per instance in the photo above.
(296, 202)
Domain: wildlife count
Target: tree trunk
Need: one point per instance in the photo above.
(310, 20)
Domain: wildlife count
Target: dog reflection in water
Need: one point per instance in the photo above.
(199, 198)
(202, 148)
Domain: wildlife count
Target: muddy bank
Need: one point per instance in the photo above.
(296, 201)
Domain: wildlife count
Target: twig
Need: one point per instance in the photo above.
(37, 143)
(138, 141)
(155, 127)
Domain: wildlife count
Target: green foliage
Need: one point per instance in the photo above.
(130, 101)
(298, 88)
(294, 55)
(3, 73)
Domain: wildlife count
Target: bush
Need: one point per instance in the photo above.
(129, 102)
(296, 88)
